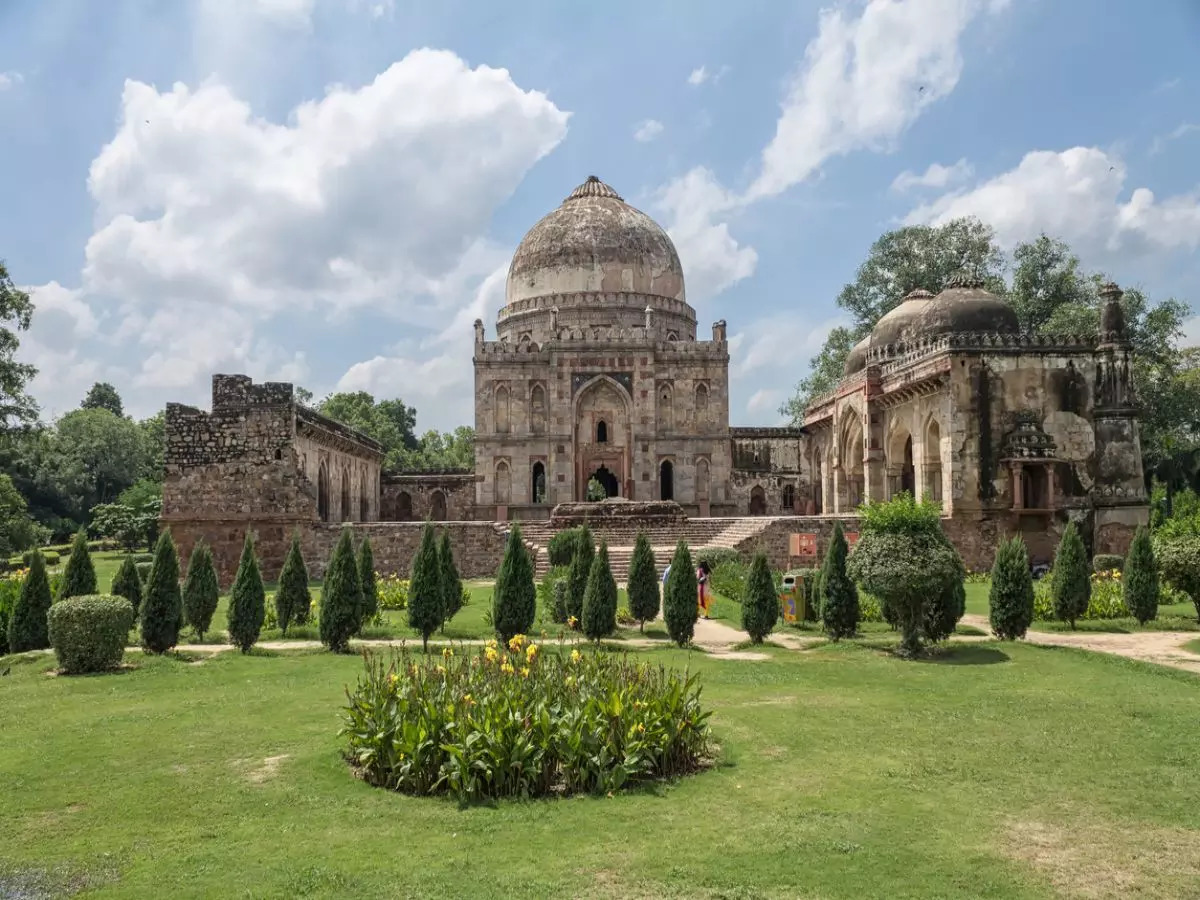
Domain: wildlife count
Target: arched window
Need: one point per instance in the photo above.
(537, 486)
(666, 480)
(702, 479)
(758, 501)
(502, 418)
(672, 336)
(437, 506)
(789, 498)
(323, 492)
(345, 511)
(601, 432)
(503, 484)
(537, 409)
(278, 454)
(701, 402)
(404, 507)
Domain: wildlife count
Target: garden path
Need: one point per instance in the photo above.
(1162, 647)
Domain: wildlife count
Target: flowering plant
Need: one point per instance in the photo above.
(516, 720)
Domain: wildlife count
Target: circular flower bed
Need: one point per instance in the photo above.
(514, 721)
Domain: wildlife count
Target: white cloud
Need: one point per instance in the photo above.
(218, 231)
(1168, 85)
(1077, 195)
(1191, 332)
(648, 130)
(936, 176)
(10, 80)
(771, 351)
(281, 13)
(712, 259)
(1161, 141)
(698, 76)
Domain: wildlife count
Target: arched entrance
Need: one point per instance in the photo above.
(437, 506)
(666, 480)
(602, 438)
(323, 493)
(908, 475)
(758, 501)
(537, 487)
(607, 480)
(346, 512)
(404, 507)
(933, 461)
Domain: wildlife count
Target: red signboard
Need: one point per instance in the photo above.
(804, 544)
(851, 539)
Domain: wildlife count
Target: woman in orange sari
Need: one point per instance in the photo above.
(702, 596)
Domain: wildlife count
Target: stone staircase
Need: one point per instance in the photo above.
(699, 534)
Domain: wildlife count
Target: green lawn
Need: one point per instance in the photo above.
(1171, 617)
(843, 772)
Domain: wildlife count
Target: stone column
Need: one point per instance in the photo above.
(1018, 492)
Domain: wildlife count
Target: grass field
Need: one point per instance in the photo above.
(994, 772)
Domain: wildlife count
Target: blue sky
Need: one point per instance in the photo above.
(328, 191)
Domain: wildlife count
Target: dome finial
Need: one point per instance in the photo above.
(594, 187)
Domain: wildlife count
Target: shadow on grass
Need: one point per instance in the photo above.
(965, 656)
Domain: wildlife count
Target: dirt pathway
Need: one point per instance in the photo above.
(1162, 647)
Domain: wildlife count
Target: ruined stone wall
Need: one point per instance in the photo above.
(772, 472)
(439, 497)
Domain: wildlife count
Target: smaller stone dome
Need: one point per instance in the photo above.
(964, 306)
(903, 322)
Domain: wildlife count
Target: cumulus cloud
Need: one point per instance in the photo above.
(698, 76)
(648, 130)
(217, 229)
(1079, 195)
(936, 176)
(772, 350)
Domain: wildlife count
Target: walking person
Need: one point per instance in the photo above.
(702, 595)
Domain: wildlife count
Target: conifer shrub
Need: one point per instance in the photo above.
(247, 600)
(162, 601)
(1139, 582)
(1107, 562)
(79, 576)
(760, 605)
(1010, 600)
(1072, 584)
(293, 601)
(460, 725)
(128, 583)
(562, 546)
(581, 568)
(600, 598)
(838, 594)
(88, 633)
(28, 627)
(452, 586)
(548, 593)
(341, 596)
(425, 594)
(201, 592)
(514, 599)
(642, 584)
(680, 602)
(366, 578)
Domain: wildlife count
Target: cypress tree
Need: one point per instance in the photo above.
(680, 603)
(451, 584)
(1072, 584)
(514, 600)
(1010, 600)
(581, 568)
(341, 596)
(642, 585)
(600, 598)
(293, 600)
(79, 576)
(200, 590)
(127, 583)
(247, 600)
(162, 604)
(1139, 580)
(366, 577)
(425, 588)
(28, 627)
(760, 606)
(839, 595)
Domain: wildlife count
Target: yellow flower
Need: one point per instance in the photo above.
(569, 681)
(440, 669)
(447, 653)
(576, 656)
(492, 644)
(524, 671)
(641, 729)
(468, 699)
(531, 652)
(506, 667)
(572, 621)
(491, 654)
(518, 641)
(393, 680)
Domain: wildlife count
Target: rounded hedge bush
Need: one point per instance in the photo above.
(88, 633)
(1107, 562)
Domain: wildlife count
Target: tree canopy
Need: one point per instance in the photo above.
(16, 312)
(103, 395)
(393, 424)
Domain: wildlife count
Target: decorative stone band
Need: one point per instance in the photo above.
(596, 299)
(633, 338)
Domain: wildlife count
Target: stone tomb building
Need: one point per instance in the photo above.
(597, 374)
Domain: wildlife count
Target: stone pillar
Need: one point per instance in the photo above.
(838, 477)
(718, 331)
(1016, 471)
(479, 331)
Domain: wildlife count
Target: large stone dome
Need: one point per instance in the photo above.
(599, 262)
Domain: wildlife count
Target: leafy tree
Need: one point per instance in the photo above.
(28, 628)
(162, 603)
(341, 596)
(1139, 578)
(642, 586)
(1071, 587)
(17, 530)
(103, 395)
(79, 576)
(425, 595)
(514, 599)
(16, 312)
(108, 449)
(437, 450)
(680, 603)
(153, 435)
(1010, 599)
(127, 583)
(760, 606)
(247, 600)
(1179, 563)
(600, 598)
(390, 422)
(366, 577)
(452, 600)
(581, 567)
(201, 592)
(293, 600)
(838, 594)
